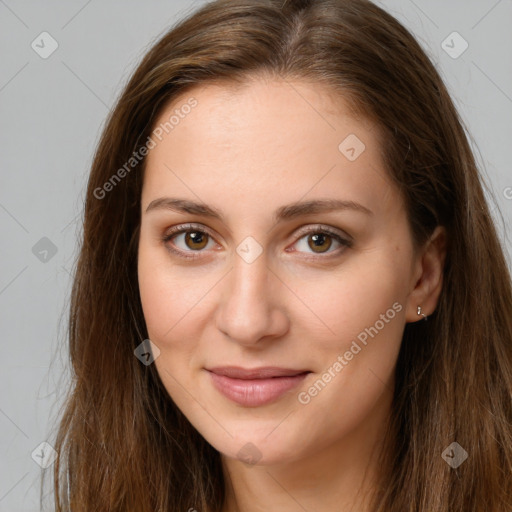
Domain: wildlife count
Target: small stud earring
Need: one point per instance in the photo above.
(420, 313)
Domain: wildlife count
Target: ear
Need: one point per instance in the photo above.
(428, 276)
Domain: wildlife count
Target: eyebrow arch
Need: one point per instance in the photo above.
(286, 212)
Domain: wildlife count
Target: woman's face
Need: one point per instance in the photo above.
(275, 269)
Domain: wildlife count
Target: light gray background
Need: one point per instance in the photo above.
(52, 111)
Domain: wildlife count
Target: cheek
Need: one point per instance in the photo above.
(162, 300)
(158, 300)
(353, 297)
(168, 307)
(177, 305)
(364, 309)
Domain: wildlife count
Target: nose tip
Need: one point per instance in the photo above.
(250, 309)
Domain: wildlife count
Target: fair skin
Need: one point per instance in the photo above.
(247, 152)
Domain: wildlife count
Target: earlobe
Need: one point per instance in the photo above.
(424, 297)
(420, 313)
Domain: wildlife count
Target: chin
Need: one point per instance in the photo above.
(256, 445)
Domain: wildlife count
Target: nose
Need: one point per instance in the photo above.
(251, 309)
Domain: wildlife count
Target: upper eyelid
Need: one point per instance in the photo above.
(183, 228)
(311, 228)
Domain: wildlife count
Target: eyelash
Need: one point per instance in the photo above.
(184, 228)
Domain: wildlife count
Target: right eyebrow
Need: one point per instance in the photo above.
(184, 206)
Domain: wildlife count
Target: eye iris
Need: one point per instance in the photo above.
(196, 237)
(319, 241)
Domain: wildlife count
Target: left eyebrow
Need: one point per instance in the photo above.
(298, 209)
(287, 212)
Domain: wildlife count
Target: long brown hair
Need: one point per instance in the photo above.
(122, 444)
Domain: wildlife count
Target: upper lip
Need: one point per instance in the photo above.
(266, 372)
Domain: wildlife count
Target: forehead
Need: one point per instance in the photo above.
(261, 140)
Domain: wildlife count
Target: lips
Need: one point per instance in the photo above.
(257, 386)
(236, 372)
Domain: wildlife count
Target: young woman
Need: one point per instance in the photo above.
(290, 293)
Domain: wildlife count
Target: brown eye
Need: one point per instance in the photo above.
(319, 242)
(196, 239)
(188, 241)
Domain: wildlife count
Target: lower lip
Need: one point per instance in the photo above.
(255, 392)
